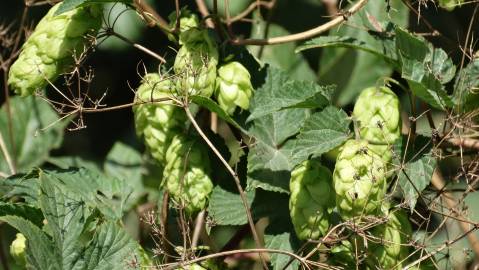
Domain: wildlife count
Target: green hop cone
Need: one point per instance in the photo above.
(391, 251)
(195, 65)
(233, 87)
(311, 200)
(344, 255)
(186, 173)
(359, 180)
(157, 122)
(17, 249)
(377, 111)
(189, 26)
(48, 52)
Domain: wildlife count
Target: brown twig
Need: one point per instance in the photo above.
(303, 35)
(236, 179)
(203, 9)
(199, 224)
(438, 182)
(7, 156)
(250, 9)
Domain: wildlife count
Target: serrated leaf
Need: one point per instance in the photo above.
(40, 251)
(420, 67)
(322, 132)
(280, 56)
(270, 158)
(417, 167)
(66, 214)
(466, 94)
(111, 248)
(68, 5)
(30, 145)
(109, 195)
(279, 92)
(226, 208)
(23, 186)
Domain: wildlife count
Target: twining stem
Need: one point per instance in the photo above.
(236, 179)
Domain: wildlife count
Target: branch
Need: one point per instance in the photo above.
(303, 35)
(151, 16)
(464, 142)
(235, 177)
(205, 13)
(249, 9)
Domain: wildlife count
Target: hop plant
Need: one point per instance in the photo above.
(17, 249)
(378, 114)
(311, 200)
(390, 250)
(157, 122)
(186, 173)
(359, 180)
(48, 52)
(195, 64)
(233, 87)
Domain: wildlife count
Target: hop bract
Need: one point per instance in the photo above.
(359, 180)
(311, 200)
(378, 114)
(49, 51)
(188, 21)
(157, 121)
(17, 249)
(186, 173)
(390, 250)
(233, 87)
(195, 65)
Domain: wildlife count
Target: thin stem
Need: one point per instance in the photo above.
(138, 46)
(236, 179)
(205, 13)
(438, 182)
(200, 221)
(303, 35)
(5, 153)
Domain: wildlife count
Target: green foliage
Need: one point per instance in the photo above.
(49, 51)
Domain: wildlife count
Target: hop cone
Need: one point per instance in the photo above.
(195, 65)
(392, 251)
(359, 180)
(344, 255)
(186, 173)
(378, 114)
(188, 21)
(157, 122)
(48, 52)
(17, 249)
(233, 87)
(311, 200)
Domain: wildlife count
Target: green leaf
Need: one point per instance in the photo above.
(353, 70)
(383, 45)
(280, 56)
(270, 158)
(417, 167)
(214, 107)
(125, 163)
(466, 94)
(66, 214)
(111, 248)
(282, 239)
(279, 92)
(322, 132)
(424, 68)
(40, 251)
(226, 208)
(30, 144)
(68, 5)
(25, 211)
(23, 186)
(109, 195)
